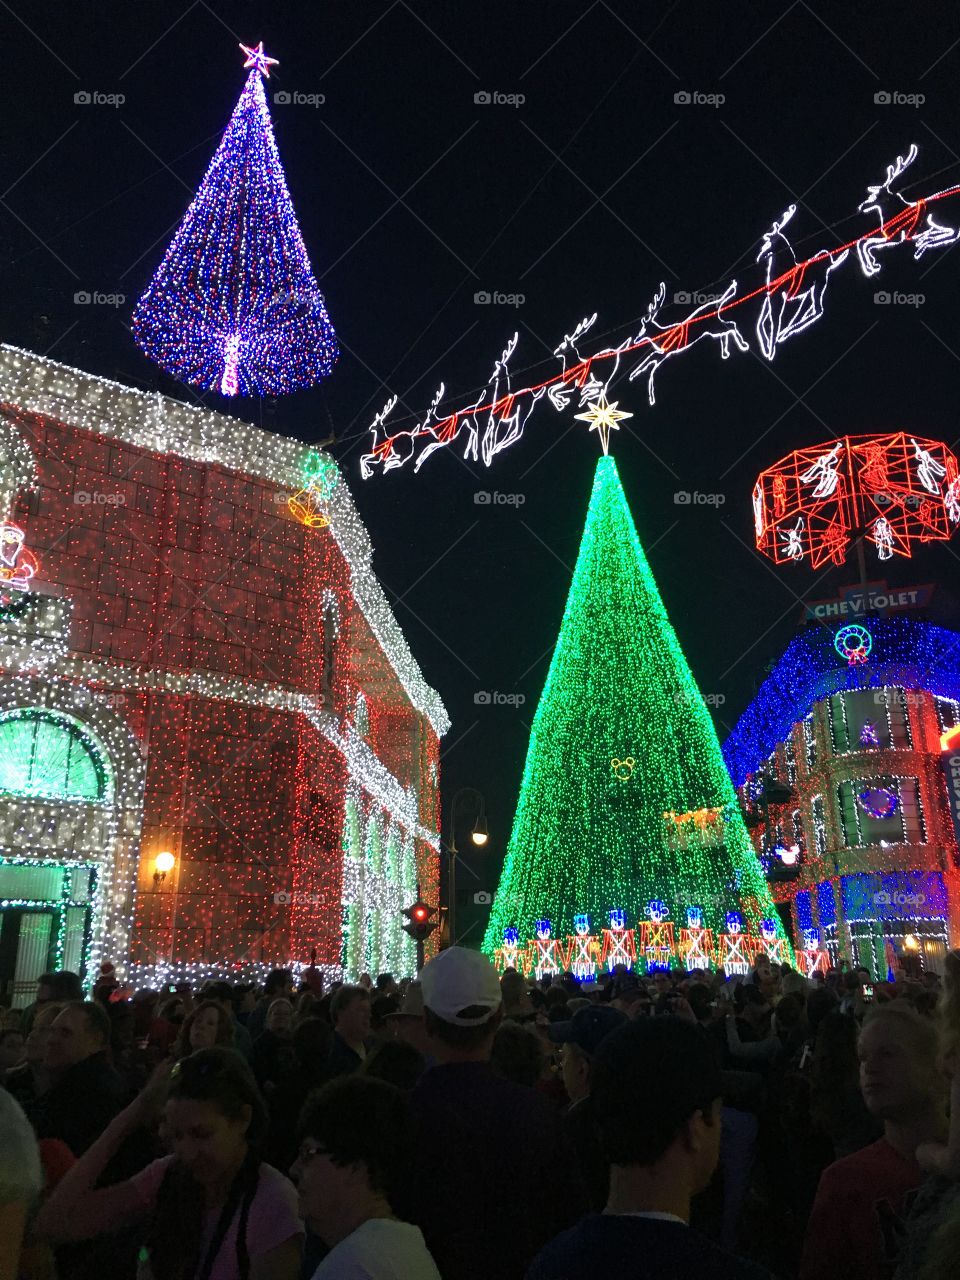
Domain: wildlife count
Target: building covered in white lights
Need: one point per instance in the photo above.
(217, 753)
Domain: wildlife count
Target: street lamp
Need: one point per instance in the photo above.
(162, 863)
(479, 835)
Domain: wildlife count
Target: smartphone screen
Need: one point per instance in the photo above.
(866, 992)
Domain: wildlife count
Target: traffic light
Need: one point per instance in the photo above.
(419, 925)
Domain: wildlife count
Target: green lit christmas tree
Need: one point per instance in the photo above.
(625, 800)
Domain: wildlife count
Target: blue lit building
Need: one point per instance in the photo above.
(866, 851)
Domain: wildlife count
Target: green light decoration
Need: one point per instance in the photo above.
(47, 755)
(590, 836)
(320, 478)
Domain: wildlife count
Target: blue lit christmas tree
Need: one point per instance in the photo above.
(234, 306)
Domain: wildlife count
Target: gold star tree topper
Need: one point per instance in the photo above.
(604, 418)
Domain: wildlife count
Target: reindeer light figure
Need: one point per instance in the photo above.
(573, 375)
(667, 341)
(382, 451)
(899, 219)
(793, 298)
(508, 414)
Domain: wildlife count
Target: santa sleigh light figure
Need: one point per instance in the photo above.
(696, 942)
(583, 950)
(656, 937)
(17, 565)
(619, 943)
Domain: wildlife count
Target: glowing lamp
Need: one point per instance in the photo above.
(479, 835)
(164, 862)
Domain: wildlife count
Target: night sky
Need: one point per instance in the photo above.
(412, 197)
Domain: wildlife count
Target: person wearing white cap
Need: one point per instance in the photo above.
(493, 1176)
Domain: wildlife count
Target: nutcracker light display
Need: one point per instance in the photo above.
(696, 942)
(619, 943)
(583, 950)
(656, 937)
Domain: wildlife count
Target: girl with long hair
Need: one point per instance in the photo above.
(212, 1210)
(206, 1026)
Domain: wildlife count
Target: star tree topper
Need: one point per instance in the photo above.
(257, 58)
(603, 418)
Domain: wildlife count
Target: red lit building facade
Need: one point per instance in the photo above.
(190, 670)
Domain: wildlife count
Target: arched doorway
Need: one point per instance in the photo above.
(71, 790)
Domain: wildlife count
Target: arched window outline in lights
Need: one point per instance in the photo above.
(87, 777)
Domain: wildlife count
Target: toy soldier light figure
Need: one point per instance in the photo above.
(734, 953)
(770, 945)
(815, 957)
(619, 943)
(583, 950)
(509, 956)
(546, 951)
(696, 942)
(656, 937)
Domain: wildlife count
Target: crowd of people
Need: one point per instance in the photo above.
(465, 1126)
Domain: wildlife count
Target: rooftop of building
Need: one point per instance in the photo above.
(161, 424)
